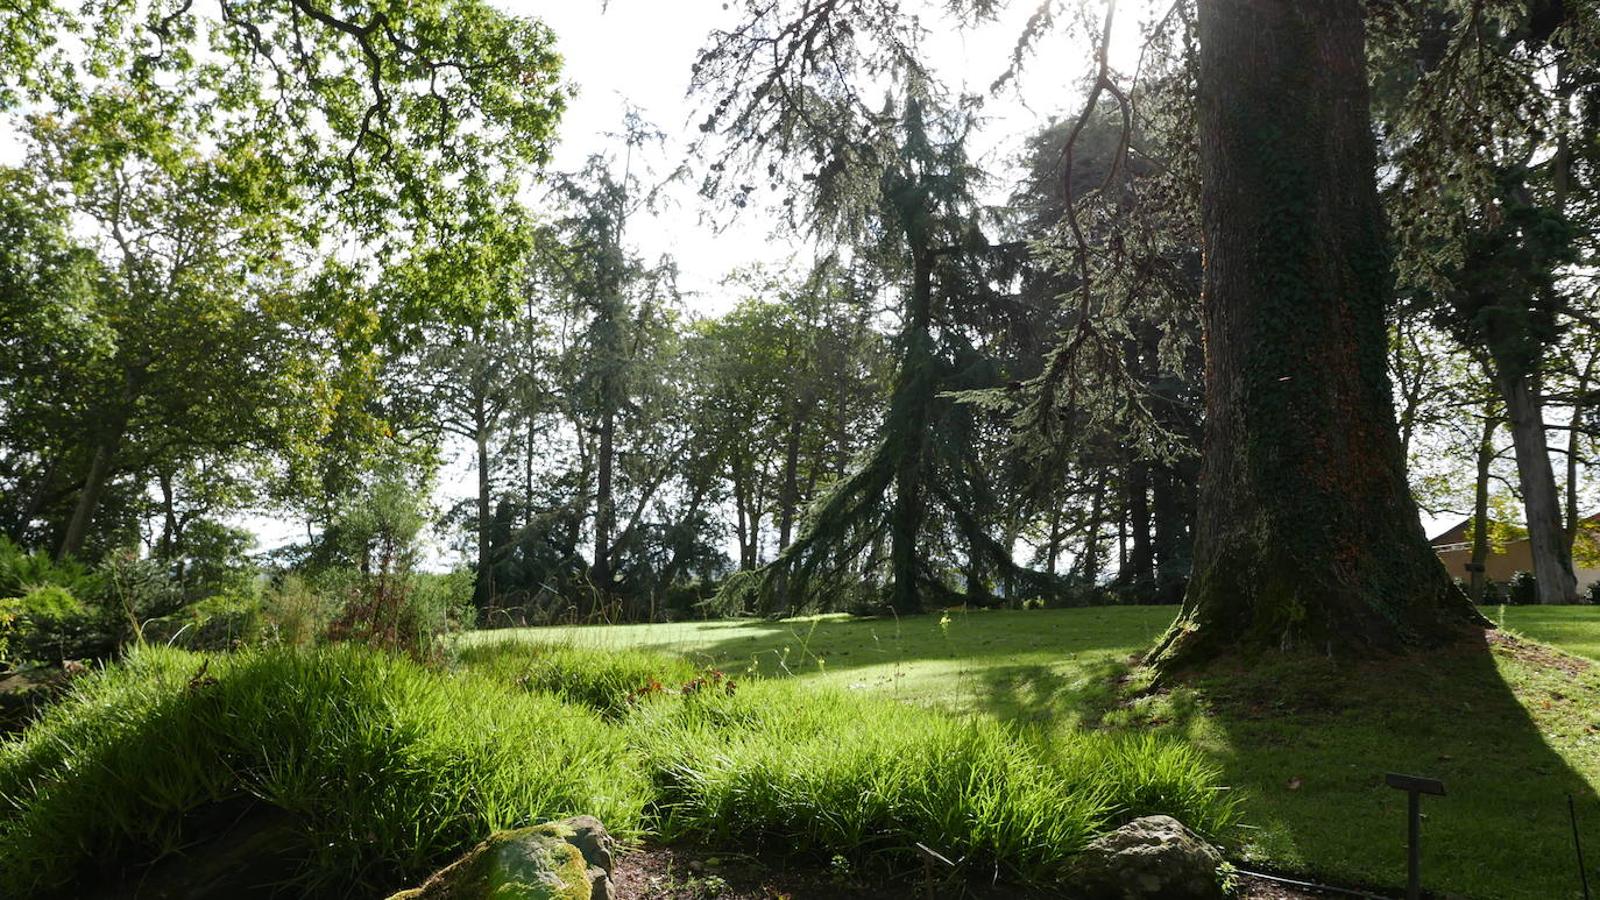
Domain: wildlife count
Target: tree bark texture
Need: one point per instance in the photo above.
(1307, 538)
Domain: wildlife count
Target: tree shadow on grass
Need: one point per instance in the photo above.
(1511, 728)
(1051, 695)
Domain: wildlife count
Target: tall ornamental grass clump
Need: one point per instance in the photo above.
(779, 766)
(383, 768)
(386, 767)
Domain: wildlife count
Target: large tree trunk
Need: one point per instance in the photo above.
(1307, 538)
(1552, 554)
(1480, 512)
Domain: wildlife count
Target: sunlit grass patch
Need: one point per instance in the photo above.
(385, 766)
(781, 766)
(602, 679)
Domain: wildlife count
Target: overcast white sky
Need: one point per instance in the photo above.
(639, 52)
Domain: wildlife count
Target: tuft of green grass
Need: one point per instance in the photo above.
(778, 766)
(385, 767)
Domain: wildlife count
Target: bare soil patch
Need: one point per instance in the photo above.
(691, 873)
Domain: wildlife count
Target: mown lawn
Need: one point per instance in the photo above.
(1512, 727)
(1575, 629)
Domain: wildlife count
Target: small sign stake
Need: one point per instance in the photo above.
(1414, 787)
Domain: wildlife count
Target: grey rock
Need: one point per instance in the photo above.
(1148, 858)
(592, 840)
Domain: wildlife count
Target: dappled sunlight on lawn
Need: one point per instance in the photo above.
(1032, 665)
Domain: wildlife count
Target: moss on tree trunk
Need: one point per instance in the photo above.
(1307, 538)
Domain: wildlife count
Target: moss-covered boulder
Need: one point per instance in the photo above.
(567, 860)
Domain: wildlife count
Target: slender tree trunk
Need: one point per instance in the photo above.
(1122, 534)
(604, 511)
(1480, 511)
(169, 516)
(741, 515)
(527, 480)
(1552, 555)
(1091, 540)
(101, 466)
(485, 585)
(1053, 548)
(1166, 512)
(788, 502)
(1307, 538)
(908, 426)
(1571, 506)
(1138, 569)
(35, 502)
(790, 496)
(1574, 448)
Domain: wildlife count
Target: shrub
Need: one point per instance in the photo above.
(1522, 589)
(38, 617)
(222, 622)
(296, 614)
(437, 604)
(8, 620)
(387, 768)
(43, 608)
(21, 569)
(1591, 594)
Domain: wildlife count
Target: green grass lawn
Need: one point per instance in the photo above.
(1512, 728)
(1575, 629)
